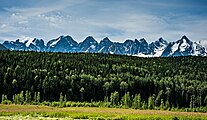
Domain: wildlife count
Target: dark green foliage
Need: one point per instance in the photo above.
(141, 83)
(151, 102)
(5, 100)
(20, 99)
(137, 103)
(114, 98)
(126, 100)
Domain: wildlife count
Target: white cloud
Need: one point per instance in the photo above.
(3, 26)
(130, 26)
(18, 17)
(116, 20)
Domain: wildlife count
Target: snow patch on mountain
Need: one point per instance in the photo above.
(30, 41)
(23, 39)
(101, 49)
(53, 43)
(174, 48)
(184, 45)
(158, 52)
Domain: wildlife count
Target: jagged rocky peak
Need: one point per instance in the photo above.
(184, 47)
(159, 43)
(158, 47)
(106, 39)
(90, 40)
(184, 44)
(142, 40)
(106, 42)
(184, 37)
(33, 41)
(67, 38)
(128, 41)
(135, 40)
(161, 40)
(88, 45)
(62, 40)
(18, 40)
(62, 37)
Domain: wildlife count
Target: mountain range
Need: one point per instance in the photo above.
(141, 48)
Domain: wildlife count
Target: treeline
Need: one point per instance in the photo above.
(124, 81)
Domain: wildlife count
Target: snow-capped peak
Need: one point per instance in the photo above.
(184, 37)
(158, 47)
(26, 40)
(198, 49)
(23, 39)
(184, 45)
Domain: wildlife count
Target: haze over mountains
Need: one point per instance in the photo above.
(141, 48)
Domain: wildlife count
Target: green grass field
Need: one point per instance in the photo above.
(27, 112)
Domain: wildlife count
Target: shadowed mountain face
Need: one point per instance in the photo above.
(159, 48)
(2, 47)
(62, 44)
(88, 45)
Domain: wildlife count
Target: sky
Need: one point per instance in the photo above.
(117, 19)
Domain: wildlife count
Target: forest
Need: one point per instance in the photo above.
(115, 80)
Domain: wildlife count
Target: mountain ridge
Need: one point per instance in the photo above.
(141, 48)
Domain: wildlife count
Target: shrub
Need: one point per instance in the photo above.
(6, 102)
(56, 104)
(46, 103)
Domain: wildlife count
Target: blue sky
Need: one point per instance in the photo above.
(117, 19)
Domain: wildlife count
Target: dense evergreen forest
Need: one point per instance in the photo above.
(119, 80)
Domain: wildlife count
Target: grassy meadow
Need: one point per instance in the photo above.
(26, 112)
